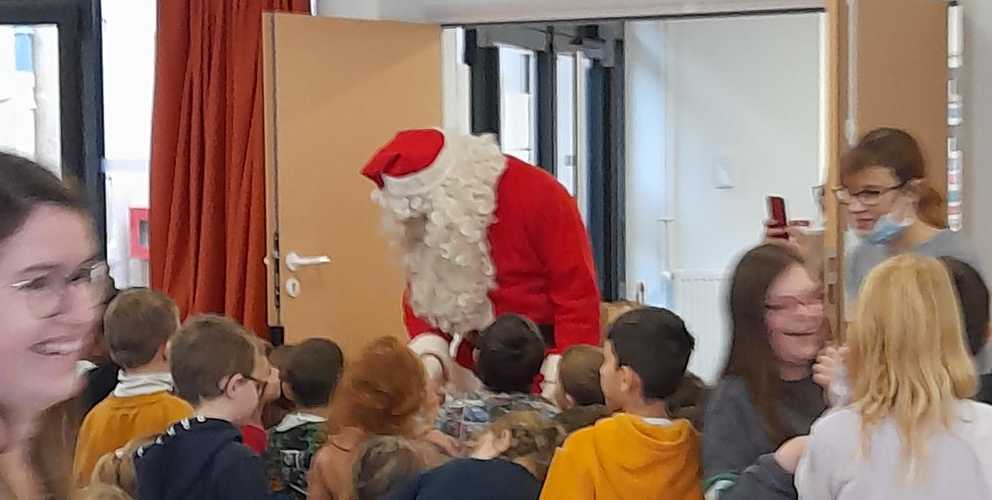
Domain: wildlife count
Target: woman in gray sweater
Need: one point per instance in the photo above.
(767, 395)
(892, 207)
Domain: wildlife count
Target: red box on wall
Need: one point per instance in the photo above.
(139, 234)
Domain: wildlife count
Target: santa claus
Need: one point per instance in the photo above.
(483, 234)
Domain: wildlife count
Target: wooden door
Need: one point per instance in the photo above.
(900, 75)
(336, 90)
(887, 67)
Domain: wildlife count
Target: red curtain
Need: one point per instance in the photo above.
(207, 210)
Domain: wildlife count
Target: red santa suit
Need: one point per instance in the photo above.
(483, 235)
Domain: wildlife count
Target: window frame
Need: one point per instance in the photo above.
(603, 130)
(80, 91)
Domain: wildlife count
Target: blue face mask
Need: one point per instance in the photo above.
(885, 230)
(891, 225)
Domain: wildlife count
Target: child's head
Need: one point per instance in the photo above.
(907, 357)
(383, 391)
(311, 373)
(103, 492)
(137, 325)
(117, 469)
(276, 411)
(777, 324)
(580, 417)
(885, 174)
(647, 352)
(384, 464)
(98, 352)
(215, 363)
(973, 294)
(524, 437)
(578, 377)
(689, 400)
(610, 311)
(270, 387)
(511, 352)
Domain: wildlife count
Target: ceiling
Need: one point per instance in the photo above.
(478, 11)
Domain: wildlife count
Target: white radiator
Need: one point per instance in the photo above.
(701, 301)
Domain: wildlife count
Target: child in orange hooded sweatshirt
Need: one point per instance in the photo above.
(638, 453)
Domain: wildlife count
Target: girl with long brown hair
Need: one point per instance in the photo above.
(767, 395)
(51, 286)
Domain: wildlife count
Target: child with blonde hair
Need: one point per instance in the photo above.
(253, 432)
(116, 469)
(610, 311)
(509, 463)
(578, 393)
(385, 464)
(138, 326)
(910, 431)
(103, 492)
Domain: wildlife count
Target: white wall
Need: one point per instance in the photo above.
(128, 76)
(976, 89)
(744, 94)
(455, 75)
(128, 82)
(360, 9)
(647, 174)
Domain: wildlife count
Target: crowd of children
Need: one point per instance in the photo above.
(625, 421)
(204, 409)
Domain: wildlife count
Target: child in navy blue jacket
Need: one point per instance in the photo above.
(217, 369)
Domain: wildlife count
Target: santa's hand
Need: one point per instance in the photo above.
(436, 374)
(549, 374)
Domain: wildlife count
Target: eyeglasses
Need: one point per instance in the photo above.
(45, 295)
(261, 384)
(867, 197)
(793, 303)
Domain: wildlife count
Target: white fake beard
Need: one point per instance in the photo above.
(444, 237)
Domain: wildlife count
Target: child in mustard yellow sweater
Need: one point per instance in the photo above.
(137, 325)
(641, 452)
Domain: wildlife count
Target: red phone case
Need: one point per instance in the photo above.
(776, 214)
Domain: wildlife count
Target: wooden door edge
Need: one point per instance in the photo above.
(271, 198)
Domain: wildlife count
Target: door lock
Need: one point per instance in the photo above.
(293, 287)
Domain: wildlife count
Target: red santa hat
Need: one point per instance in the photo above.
(410, 164)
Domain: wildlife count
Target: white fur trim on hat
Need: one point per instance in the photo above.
(424, 180)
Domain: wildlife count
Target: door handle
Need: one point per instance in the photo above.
(295, 261)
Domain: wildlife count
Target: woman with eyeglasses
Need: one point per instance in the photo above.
(51, 285)
(891, 207)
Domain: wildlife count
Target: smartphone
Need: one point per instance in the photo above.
(776, 214)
